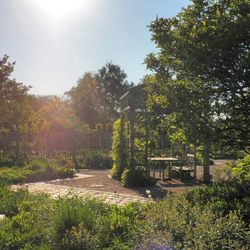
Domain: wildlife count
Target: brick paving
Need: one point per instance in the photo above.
(58, 191)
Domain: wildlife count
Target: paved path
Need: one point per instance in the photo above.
(58, 190)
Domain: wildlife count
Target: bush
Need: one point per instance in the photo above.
(36, 170)
(6, 161)
(197, 227)
(242, 169)
(78, 238)
(181, 221)
(135, 178)
(71, 212)
(28, 221)
(225, 196)
(95, 160)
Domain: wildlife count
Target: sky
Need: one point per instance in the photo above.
(54, 42)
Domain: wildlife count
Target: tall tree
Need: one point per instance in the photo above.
(85, 99)
(14, 99)
(96, 97)
(203, 64)
(112, 84)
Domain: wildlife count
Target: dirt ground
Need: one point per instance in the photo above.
(102, 181)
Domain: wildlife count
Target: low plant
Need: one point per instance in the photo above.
(136, 178)
(36, 170)
(95, 160)
(197, 227)
(242, 169)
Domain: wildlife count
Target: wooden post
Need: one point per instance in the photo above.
(146, 145)
(132, 139)
(206, 174)
(195, 164)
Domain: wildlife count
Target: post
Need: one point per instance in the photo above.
(146, 145)
(195, 164)
(132, 140)
(206, 174)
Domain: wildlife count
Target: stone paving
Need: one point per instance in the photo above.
(58, 191)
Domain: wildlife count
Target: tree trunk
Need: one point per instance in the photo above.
(206, 174)
(195, 164)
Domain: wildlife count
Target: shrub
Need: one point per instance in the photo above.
(225, 196)
(242, 169)
(197, 227)
(36, 170)
(181, 221)
(28, 221)
(13, 175)
(71, 212)
(95, 160)
(9, 200)
(78, 238)
(119, 228)
(135, 177)
(5, 161)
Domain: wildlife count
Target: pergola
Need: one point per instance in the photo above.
(133, 102)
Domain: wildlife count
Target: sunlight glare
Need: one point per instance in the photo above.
(60, 9)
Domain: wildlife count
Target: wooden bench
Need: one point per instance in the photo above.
(182, 172)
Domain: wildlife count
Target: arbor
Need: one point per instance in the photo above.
(202, 69)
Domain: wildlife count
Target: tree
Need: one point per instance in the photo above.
(96, 97)
(112, 84)
(14, 108)
(85, 99)
(202, 68)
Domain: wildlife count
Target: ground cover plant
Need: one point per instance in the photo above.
(35, 170)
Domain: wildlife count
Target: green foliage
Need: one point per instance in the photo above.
(225, 196)
(195, 220)
(28, 221)
(36, 170)
(14, 109)
(196, 51)
(10, 200)
(119, 227)
(96, 97)
(195, 227)
(78, 238)
(5, 161)
(95, 160)
(72, 212)
(242, 170)
(135, 178)
(119, 148)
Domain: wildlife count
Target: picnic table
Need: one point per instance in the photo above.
(163, 161)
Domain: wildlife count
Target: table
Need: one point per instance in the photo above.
(168, 160)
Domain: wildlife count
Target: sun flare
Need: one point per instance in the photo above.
(60, 9)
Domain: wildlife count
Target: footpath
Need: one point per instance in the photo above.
(56, 191)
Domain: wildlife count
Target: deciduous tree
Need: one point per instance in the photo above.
(202, 69)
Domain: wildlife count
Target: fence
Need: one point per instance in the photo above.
(52, 144)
